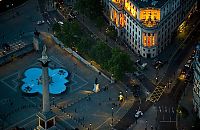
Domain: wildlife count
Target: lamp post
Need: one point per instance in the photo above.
(112, 117)
(90, 126)
(126, 94)
(106, 33)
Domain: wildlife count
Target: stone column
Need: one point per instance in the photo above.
(117, 19)
(45, 81)
(45, 88)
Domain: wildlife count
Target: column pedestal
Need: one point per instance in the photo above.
(46, 121)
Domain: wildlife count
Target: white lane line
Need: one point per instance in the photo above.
(168, 121)
(34, 120)
(103, 123)
(67, 123)
(57, 61)
(20, 122)
(5, 78)
(110, 117)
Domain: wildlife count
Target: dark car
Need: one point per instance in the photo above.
(158, 64)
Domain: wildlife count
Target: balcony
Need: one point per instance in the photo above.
(149, 22)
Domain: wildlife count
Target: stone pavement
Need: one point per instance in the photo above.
(13, 28)
(79, 102)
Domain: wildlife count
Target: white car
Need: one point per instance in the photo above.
(60, 22)
(138, 114)
(40, 22)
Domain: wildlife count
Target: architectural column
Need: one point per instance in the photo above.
(111, 14)
(117, 19)
(45, 91)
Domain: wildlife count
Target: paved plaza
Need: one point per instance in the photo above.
(78, 107)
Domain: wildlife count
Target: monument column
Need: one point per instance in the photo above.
(45, 87)
(46, 117)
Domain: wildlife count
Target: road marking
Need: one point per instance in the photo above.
(103, 123)
(168, 121)
(5, 78)
(57, 61)
(109, 118)
(29, 122)
(20, 121)
(66, 123)
(156, 94)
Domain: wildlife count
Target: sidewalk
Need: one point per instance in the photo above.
(186, 102)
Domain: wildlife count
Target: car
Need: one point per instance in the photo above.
(158, 64)
(138, 114)
(187, 65)
(40, 22)
(138, 61)
(189, 61)
(60, 22)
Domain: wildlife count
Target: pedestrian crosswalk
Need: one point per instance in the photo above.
(155, 96)
(166, 109)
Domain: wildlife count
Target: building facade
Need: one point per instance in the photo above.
(196, 89)
(146, 26)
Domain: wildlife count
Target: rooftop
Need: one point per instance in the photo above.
(149, 3)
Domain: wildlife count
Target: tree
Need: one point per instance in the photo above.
(71, 32)
(111, 32)
(119, 63)
(91, 8)
(101, 53)
(100, 22)
(84, 45)
(56, 28)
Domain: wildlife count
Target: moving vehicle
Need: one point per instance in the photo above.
(138, 114)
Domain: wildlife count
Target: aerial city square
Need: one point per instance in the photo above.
(99, 65)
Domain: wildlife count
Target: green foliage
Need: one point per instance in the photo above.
(119, 63)
(181, 111)
(91, 8)
(111, 32)
(56, 28)
(100, 21)
(101, 53)
(113, 60)
(71, 32)
(84, 45)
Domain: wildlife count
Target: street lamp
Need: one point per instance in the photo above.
(112, 116)
(126, 94)
(90, 126)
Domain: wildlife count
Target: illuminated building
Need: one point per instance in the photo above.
(196, 89)
(146, 26)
